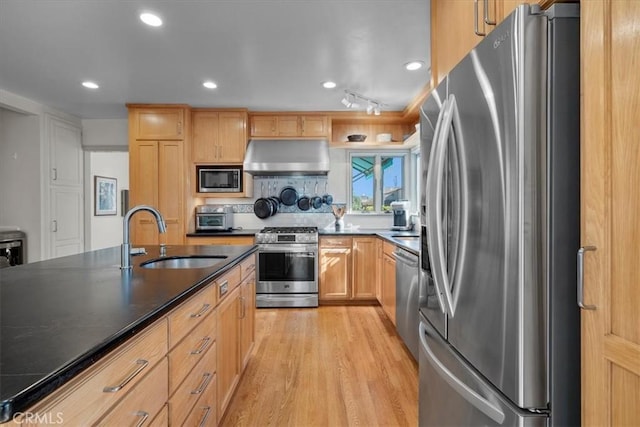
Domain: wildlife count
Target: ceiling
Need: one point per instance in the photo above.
(263, 54)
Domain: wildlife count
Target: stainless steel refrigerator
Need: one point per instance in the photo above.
(499, 330)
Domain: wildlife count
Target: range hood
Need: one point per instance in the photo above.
(287, 157)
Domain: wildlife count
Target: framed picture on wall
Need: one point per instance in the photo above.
(105, 190)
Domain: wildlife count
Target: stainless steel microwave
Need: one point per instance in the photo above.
(219, 179)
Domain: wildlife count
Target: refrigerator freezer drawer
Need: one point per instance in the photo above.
(452, 394)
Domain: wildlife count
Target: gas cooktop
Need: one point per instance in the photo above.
(289, 230)
(287, 235)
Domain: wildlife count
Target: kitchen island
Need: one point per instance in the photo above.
(61, 316)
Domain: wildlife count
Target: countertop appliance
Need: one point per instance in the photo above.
(401, 215)
(500, 327)
(407, 298)
(287, 267)
(12, 247)
(219, 179)
(214, 218)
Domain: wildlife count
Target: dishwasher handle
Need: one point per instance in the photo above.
(410, 260)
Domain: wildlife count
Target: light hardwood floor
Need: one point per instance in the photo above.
(331, 366)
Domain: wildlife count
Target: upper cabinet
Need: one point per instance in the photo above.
(157, 123)
(458, 26)
(218, 136)
(289, 125)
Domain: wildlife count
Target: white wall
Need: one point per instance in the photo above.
(105, 135)
(20, 176)
(104, 231)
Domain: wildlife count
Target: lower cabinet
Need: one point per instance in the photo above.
(182, 370)
(388, 285)
(228, 359)
(348, 269)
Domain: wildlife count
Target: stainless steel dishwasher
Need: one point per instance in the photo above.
(407, 298)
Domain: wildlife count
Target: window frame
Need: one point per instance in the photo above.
(408, 189)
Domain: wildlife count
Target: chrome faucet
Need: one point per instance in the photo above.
(125, 251)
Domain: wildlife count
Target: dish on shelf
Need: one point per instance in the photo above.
(356, 138)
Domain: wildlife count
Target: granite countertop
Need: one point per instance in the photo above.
(58, 317)
(234, 232)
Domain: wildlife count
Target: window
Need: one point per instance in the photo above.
(377, 180)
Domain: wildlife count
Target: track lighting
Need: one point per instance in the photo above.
(350, 100)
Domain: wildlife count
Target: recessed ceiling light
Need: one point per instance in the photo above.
(414, 65)
(329, 85)
(209, 85)
(90, 85)
(151, 19)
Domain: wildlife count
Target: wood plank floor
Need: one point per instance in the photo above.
(331, 366)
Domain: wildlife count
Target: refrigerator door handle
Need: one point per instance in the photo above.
(433, 188)
(461, 388)
(435, 232)
(581, 303)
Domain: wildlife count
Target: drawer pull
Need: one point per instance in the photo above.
(203, 310)
(203, 346)
(207, 411)
(143, 364)
(205, 381)
(144, 416)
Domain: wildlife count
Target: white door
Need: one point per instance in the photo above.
(65, 190)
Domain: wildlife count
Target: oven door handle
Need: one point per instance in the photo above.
(288, 248)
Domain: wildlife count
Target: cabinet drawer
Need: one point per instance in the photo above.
(162, 419)
(190, 313)
(204, 413)
(335, 241)
(144, 400)
(190, 351)
(194, 386)
(228, 282)
(388, 248)
(247, 266)
(84, 400)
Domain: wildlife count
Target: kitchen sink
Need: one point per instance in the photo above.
(186, 261)
(409, 238)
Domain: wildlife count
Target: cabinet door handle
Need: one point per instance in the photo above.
(486, 14)
(142, 364)
(54, 226)
(144, 416)
(242, 308)
(581, 252)
(203, 346)
(179, 128)
(203, 421)
(205, 381)
(475, 20)
(54, 174)
(202, 311)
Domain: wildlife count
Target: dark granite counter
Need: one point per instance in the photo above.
(247, 232)
(60, 316)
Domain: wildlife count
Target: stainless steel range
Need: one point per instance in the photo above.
(287, 267)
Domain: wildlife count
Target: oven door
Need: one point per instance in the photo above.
(287, 268)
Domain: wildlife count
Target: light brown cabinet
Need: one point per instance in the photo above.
(388, 288)
(458, 26)
(335, 269)
(156, 172)
(289, 125)
(157, 122)
(364, 268)
(347, 269)
(247, 315)
(218, 137)
(228, 348)
(156, 178)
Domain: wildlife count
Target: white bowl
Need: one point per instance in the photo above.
(383, 137)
